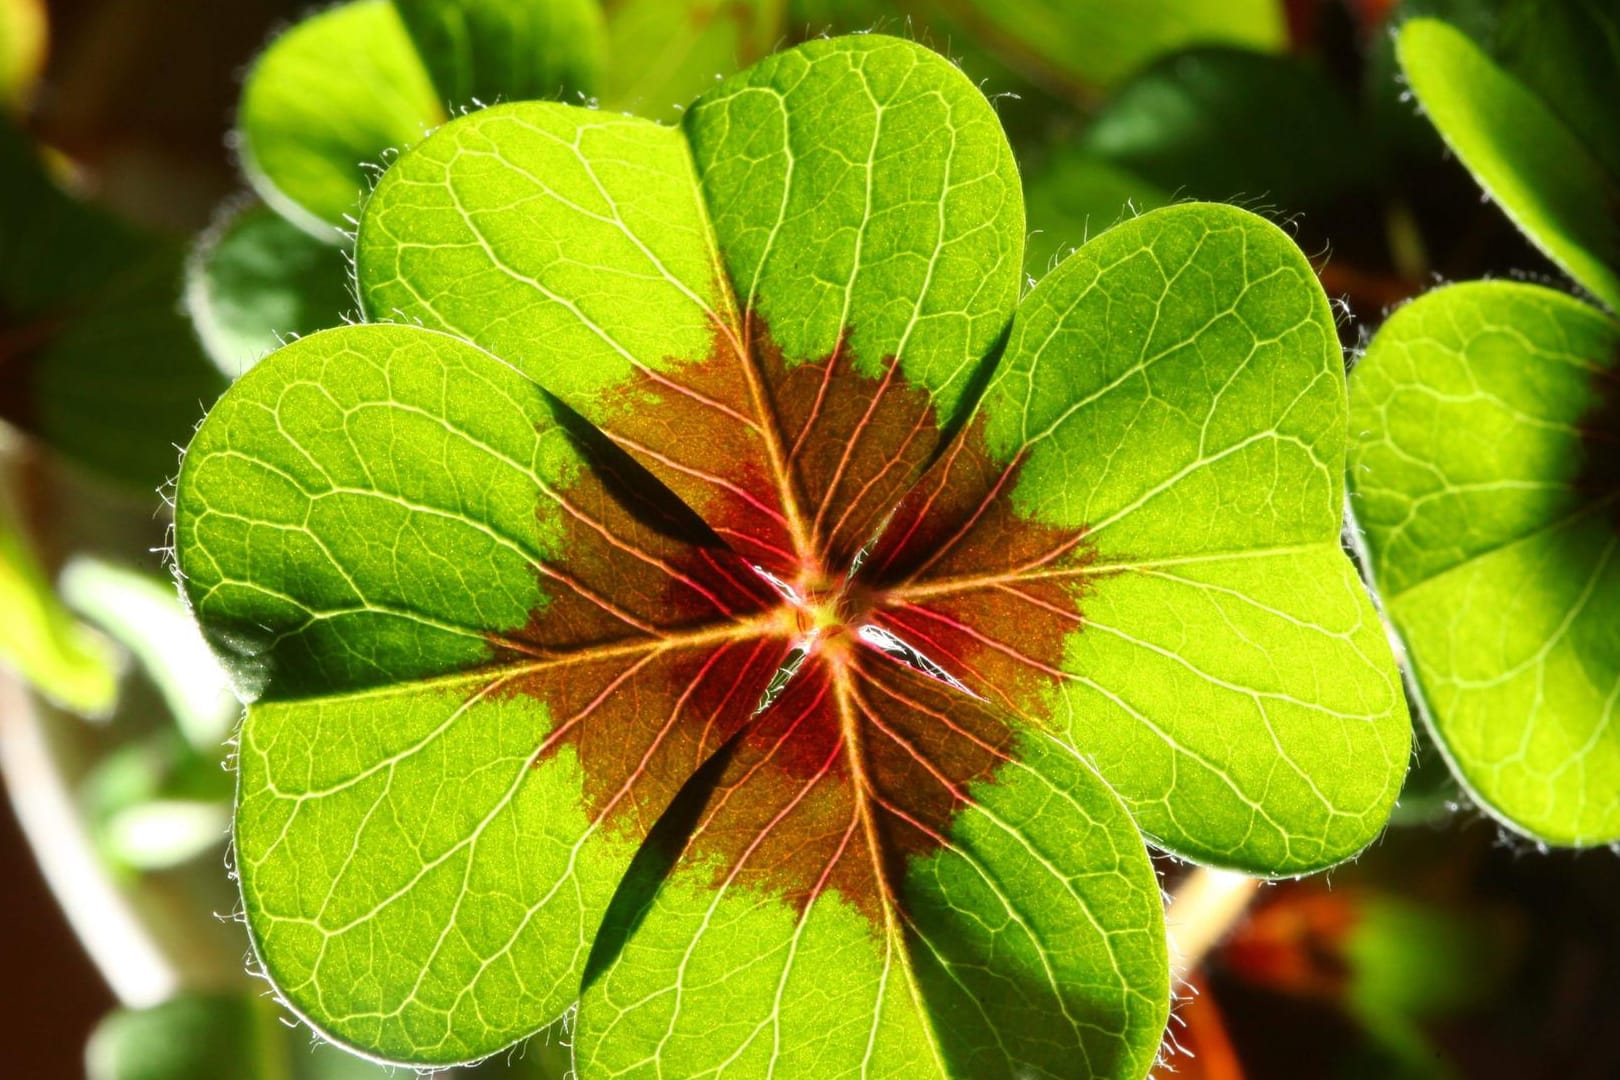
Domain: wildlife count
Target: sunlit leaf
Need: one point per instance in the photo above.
(661, 570)
(41, 640)
(1487, 479)
(1540, 172)
(325, 100)
(329, 99)
(256, 280)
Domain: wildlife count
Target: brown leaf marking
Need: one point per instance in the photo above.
(860, 766)
(854, 443)
(658, 641)
(988, 594)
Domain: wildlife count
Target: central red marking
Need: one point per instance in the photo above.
(889, 667)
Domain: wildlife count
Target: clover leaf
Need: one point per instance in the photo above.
(254, 280)
(714, 598)
(1488, 482)
(1485, 474)
(1541, 168)
(340, 89)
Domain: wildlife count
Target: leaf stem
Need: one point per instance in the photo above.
(1203, 910)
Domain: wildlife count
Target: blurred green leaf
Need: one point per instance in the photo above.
(1074, 196)
(23, 37)
(1413, 962)
(62, 659)
(663, 53)
(122, 382)
(507, 50)
(186, 1038)
(95, 357)
(1569, 54)
(1223, 123)
(1092, 45)
(326, 99)
(155, 803)
(1539, 171)
(54, 248)
(1212, 123)
(255, 280)
(215, 1037)
(144, 614)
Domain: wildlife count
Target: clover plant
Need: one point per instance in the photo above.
(1487, 417)
(705, 591)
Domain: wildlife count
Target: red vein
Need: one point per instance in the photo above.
(821, 398)
(663, 732)
(671, 571)
(771, 432)
(693, 395)
(901, 741)
(999, 646)
(943, 717)
(712, 479)
(1029, 571)
(854, 441)
(917, 427)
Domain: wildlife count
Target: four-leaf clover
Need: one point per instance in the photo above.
(707, 593)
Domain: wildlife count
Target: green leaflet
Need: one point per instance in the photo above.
(1485, 481)
(327, 98)
(1193, 508)
(341, 90)
(256, 280)
(1545, 178)
(656, 613)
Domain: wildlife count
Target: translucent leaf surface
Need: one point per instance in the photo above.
(330, 98)
(1487, 479)
(662, 610)
(95, 359)
(1539, 171)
